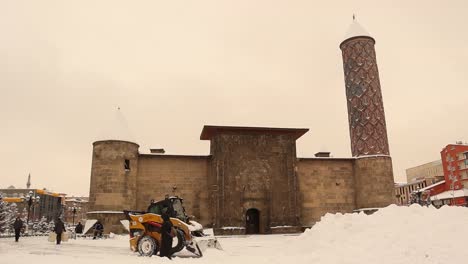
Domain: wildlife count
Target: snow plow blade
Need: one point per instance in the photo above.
(207, 242)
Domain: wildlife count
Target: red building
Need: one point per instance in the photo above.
(455, 164)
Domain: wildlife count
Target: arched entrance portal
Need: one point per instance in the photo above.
(252, 221)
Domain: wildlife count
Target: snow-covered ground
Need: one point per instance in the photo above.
(392, 235)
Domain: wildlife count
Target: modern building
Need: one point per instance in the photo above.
(252, 181)
(49, 204)
(453, 190)
(455, 164)
(415, 192)
(432, 171)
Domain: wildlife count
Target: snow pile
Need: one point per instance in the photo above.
(394, 234)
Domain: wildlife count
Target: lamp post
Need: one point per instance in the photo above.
(31, 200)
(73, 209)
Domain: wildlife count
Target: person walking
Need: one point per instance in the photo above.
(59, 229)
(166, 237)
(17, 225)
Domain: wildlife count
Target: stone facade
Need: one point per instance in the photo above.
(112, 184)
(158, 174)
(326, 185)
(374, 181)
(251, 173)
(254, 168)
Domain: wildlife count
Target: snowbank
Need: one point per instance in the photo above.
(394, 234)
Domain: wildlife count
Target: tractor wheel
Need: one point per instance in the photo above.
(178, 242)
(147, 246)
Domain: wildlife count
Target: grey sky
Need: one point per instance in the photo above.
(174, 66)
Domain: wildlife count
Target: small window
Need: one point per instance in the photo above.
(127, 165)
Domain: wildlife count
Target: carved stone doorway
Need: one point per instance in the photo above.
(252, 221)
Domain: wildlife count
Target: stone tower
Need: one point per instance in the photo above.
(113, 175)
(366, 115)
(367, 127)
(114, 170)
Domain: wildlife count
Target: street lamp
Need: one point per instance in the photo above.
(31, 200)
(73, 209)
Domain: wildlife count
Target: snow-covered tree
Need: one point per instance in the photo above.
(3, 216)
(12, 212)
(42, 226)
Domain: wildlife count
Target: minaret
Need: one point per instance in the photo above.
(373, 172)
(367, 127)
(28, 184)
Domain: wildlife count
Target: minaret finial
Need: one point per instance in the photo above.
(28, 184)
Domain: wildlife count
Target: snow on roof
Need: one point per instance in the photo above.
(76, 200)
(450, 194)
(116, 128)
(355, 30)
(430, 186)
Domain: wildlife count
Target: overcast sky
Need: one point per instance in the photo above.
(174, 66)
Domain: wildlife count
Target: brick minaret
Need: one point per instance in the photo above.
(366, 115)
(373, 172)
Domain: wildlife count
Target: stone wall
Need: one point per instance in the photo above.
(374, 182)
(158, 174)
(112, 186)
(254, 171)
(326, 186)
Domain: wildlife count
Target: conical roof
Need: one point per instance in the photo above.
(116, 128)
(356, 30)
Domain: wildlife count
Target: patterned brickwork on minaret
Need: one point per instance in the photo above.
(366, 115)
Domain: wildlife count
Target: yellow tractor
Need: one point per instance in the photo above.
(145, 229)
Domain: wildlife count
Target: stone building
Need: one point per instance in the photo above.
(252, 181)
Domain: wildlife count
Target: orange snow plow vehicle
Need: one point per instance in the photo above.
(145, 229)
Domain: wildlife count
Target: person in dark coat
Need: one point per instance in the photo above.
(79, 228)
(59, 228)
(166, 237)
(17, 225)
(98, 230)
